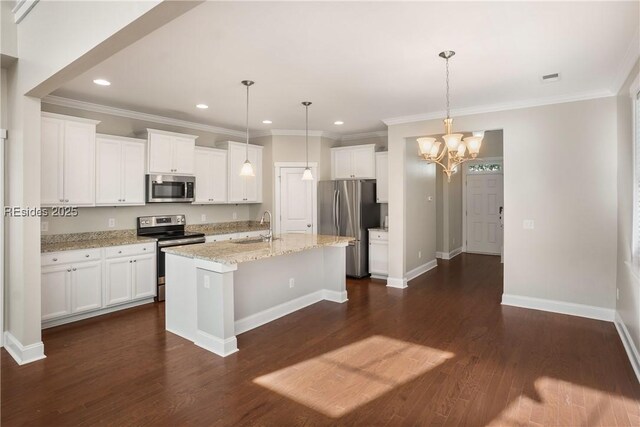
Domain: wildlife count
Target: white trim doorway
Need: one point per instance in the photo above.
(3, 138)
(465, 167)
(278, 166)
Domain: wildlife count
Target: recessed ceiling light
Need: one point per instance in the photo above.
(102, 82)
(202, 106)
(267, 122)
(338, 122)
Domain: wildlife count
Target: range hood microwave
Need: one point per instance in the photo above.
(170, 188)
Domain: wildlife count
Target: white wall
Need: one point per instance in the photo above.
(628, 304)
(570, 255)
(57, 41)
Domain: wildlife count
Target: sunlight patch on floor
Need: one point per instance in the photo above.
(340, 381)
(557, 402)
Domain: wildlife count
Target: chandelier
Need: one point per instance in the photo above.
(454, 147)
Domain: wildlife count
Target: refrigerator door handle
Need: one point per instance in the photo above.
(336, 211)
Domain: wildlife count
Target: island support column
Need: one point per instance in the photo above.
(215, 309)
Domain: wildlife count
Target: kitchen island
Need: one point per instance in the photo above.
(215, 291)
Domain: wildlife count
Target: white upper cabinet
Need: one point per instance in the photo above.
(119, 171)
(211, 175)
(68, 160)
(356, 162)
(170, 153)
(382, 177)
(242, 189)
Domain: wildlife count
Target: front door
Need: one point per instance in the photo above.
(484, 200)
(296, 201)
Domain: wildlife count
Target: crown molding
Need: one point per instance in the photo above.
(121, 112)
(631, 55)
(295, 132)
(492, 108)
(22, 9)
(364, 135)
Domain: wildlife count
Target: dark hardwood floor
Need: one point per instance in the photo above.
(442, 352)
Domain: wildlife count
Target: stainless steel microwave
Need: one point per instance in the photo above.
(170, 188)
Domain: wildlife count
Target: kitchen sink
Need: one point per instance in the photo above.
(249, 241)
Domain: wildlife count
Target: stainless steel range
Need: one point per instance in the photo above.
(168, 230)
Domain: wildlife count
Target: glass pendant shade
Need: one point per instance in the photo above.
(247, 169)
(452, 140)
(425, 144)
(462, 148)
(479, 133)
(435, 148)
(307, 175)
(473, 144)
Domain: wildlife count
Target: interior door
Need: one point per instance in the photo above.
(296, 202)
(484, 198)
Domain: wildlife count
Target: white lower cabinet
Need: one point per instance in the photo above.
(117, 281)
(378, 253)
(71, 288)
(85, 283)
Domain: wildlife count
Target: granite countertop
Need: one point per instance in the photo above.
(230, 253)
(217, 228)
(90, 240)
(384, 230)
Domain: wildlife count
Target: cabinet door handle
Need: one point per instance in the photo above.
(74, 269)
(119, 252)
(86, 256)
(69, 270)
(55, 259)
(144, 249)
(130, 261)
(135, 260)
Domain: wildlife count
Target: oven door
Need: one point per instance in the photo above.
(161, 259)
(170, 189)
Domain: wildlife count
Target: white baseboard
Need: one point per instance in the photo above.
(23, 354)
(57, 322)
(449, 255)
(216, 345)
(273, 313)
(629, 346)
(580, 310)
(397, 282)
(421, 269)
(378, 276)
(335, 296)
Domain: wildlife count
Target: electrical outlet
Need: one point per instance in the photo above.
(203, 217)
(235, 215)
(419, 254)
(292, 282)
(44, 226)
(617, 294)
(112, 222)
(207, 282)
(528, 224)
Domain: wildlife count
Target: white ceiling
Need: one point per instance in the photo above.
(363, 62)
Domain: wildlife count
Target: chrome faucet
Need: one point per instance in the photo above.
(269, 236)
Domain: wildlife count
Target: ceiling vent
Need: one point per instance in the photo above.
(548, 78)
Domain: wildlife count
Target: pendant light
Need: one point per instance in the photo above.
(307, 175)
(247, 168)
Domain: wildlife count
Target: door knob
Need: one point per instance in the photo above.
(309, 225)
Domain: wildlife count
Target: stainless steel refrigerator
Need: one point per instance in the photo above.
(349, 208)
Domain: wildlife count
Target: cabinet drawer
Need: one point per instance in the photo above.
(130, 250)
(379, 235)
(68, 257)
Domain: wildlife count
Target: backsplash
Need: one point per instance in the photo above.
(97, 219)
